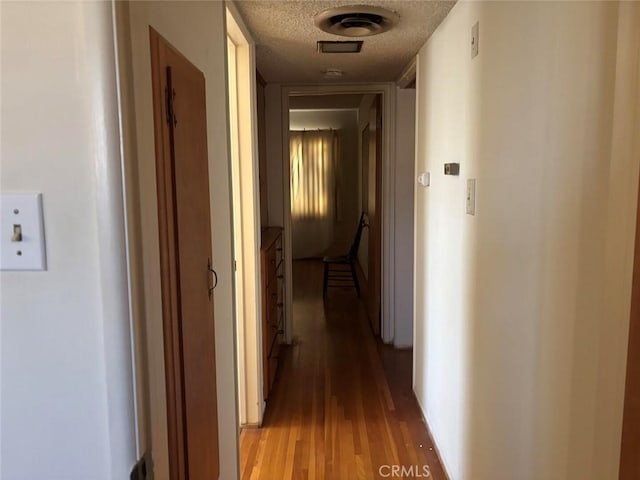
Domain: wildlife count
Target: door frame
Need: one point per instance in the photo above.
(374, 162)
(388, 95)
(248, 329)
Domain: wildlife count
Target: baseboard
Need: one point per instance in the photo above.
(250, 426)
(433, 439)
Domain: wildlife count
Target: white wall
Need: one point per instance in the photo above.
(197, 30)
(403, 213)
(345, 122)
(521, 312)
(67, 406)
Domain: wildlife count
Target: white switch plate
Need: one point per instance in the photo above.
(424, 179)
(475, 39)
(471, 196)
(24, 211)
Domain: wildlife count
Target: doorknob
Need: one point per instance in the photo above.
(215, 278)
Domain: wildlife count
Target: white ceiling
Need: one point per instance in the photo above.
(286, 37)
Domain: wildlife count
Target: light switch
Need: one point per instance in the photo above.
(21, 232)
(475, 39)
(471, 196)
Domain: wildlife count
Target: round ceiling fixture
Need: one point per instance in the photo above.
(356, 20)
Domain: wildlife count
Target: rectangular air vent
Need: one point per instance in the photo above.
(351, 46)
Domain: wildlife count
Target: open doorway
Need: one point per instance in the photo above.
(323, 134)
(335, 151)
(278, 103)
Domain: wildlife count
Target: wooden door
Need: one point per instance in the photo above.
(630, 454)
(374, 213)
(185, 253)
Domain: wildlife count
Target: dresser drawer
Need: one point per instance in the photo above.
(273, 288)
(278, 248)
(272, 300)
(272, 264)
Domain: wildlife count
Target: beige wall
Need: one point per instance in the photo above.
(522, 311)
(67, 404)
(197, 29)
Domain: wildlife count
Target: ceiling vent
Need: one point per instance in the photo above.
(356, 21)
(350, 46)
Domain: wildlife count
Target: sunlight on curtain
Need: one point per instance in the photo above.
(312, 158)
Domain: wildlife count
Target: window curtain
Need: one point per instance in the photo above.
(313, 159)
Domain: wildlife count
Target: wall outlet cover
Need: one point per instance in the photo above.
(471, 196)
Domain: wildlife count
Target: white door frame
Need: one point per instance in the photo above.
(388, 92)
(248, 322)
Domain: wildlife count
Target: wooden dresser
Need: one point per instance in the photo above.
(272, 274)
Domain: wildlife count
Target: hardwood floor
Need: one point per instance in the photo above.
(342, 406)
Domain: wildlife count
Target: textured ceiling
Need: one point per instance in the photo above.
(286, 37)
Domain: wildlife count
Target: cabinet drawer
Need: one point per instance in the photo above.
(272, 300)
(278, 249)
(272, 293)
(272, 265)
(271, 335)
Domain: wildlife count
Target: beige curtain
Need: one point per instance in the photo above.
(313, 157)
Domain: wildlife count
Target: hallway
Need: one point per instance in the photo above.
(342, 407)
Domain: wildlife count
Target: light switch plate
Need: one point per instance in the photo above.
(22, 213)
(471, 196)
(475, 39)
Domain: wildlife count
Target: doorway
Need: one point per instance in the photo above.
(379, 183)
(335, 177)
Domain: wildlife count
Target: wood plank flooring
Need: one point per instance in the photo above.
(342, 406)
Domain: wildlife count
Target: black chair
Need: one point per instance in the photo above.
(341, 271)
